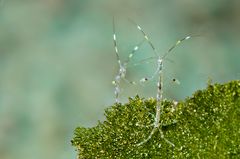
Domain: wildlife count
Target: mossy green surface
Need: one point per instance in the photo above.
(206, 125)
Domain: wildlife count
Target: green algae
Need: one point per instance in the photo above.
(206, 125)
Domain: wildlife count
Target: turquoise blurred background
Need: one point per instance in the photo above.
(57, 62)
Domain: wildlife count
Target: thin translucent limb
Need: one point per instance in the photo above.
(149, 60)
(122, 70)
(135, 49)
(158, 106)
(148, 138)
(166, 140)
(146, 60)
(177, 43)
(145, 36)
